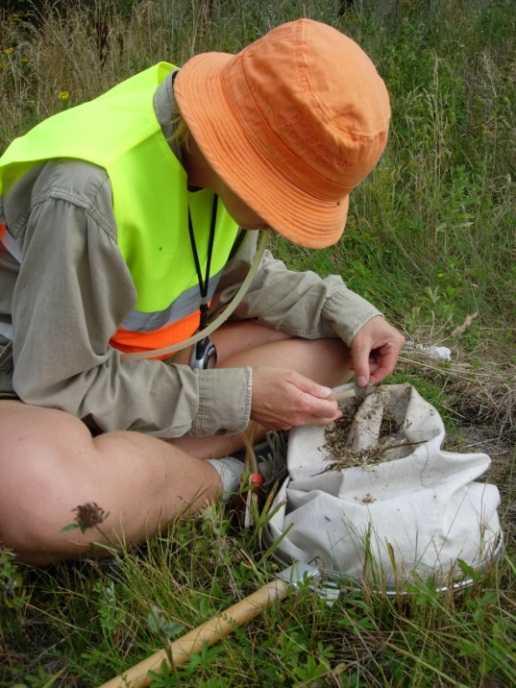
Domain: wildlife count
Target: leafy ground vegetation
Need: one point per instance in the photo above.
(429, 240)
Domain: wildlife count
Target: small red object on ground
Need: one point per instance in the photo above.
(256, 480)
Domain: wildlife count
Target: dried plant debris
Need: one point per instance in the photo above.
(389, 426)
(366, 499)
(349, 408)
(344, 457)
(482, 393)
(341, 456)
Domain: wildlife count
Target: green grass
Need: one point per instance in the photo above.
(429, 241)
(430, 232)
(91, 620)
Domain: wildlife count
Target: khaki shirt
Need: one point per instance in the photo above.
(69, 290)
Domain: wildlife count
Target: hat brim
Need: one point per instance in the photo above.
(300, 217)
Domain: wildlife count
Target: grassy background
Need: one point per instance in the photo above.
(430, 232)
(429, 241)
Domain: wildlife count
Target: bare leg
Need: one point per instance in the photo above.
(236, 337)
(49, 464)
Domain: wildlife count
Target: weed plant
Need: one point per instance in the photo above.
(429, 241)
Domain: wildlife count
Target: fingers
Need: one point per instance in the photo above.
(310, 404)
(310, 386)
(314, 407)
(282, 399)
(360, 362)
(319, 409)
(375, 350)
(388, 355)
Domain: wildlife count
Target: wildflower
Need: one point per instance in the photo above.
(64, 96)
(8, 51)
(89, 515)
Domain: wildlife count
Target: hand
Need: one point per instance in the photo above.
(374, 351)
(283, 399)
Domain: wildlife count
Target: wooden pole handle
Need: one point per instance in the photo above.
(207, 633)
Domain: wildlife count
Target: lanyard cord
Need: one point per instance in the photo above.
(204, 283)
(221, 317)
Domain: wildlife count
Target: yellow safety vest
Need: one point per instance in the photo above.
(119, 131)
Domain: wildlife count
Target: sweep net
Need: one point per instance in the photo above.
(376, 493)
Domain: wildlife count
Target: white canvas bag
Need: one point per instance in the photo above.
(417, 512)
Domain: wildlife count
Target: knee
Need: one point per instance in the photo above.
(37, 498)
(34, 508)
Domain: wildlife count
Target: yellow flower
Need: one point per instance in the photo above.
(8, 51)
(63, 96)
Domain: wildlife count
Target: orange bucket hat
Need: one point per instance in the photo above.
(292, 124)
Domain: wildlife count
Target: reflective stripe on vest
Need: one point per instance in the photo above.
(184, 305)
(147, 331)
(119, 131)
